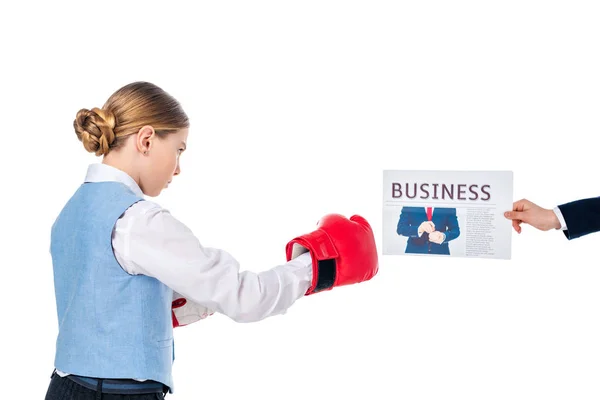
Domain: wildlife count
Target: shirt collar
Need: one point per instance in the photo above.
(106, 173)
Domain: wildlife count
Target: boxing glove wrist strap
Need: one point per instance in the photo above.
(325, 274)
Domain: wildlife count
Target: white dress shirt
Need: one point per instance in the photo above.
(148, 240)
(563, 223)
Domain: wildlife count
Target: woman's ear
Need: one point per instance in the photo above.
(145, 137)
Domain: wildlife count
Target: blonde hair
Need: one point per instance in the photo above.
(125, 113)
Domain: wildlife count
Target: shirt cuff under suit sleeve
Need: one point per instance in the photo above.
(561, 219)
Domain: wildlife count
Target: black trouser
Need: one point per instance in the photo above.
(68, 389)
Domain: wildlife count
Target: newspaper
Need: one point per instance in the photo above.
(447, 213)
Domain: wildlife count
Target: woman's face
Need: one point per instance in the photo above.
(162, 161)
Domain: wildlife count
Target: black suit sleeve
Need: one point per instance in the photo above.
(581, 216)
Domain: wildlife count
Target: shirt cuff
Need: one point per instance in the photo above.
(304, 259)
(303, 265)
(561, 219)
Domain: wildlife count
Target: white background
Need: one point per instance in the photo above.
(296, 108)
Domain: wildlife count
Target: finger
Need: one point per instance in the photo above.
(522, 205)
(516, 215)
(516, 225)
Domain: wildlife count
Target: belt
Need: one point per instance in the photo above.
(119, 386)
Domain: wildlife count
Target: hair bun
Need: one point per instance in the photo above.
(95, 129)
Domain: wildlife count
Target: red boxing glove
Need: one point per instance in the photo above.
(185, 312)
(343, 252)
(177, 303)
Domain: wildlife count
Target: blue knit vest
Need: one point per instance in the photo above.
(111, 324)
